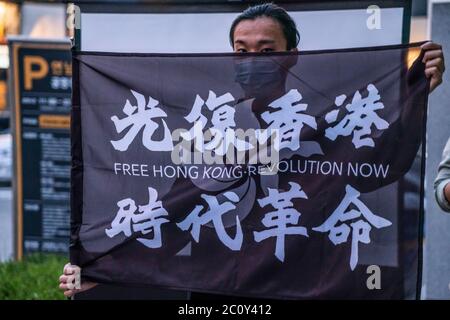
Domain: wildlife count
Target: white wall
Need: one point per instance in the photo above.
(208, 32)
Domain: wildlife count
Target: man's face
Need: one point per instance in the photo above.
(262, 34)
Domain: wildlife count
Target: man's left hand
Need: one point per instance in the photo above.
(434, 63)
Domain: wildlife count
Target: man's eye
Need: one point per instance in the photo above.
(241, 50)
(267, 50)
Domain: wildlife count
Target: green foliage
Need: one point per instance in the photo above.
(34, 278)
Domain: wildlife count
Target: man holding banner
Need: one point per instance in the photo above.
(269, 174)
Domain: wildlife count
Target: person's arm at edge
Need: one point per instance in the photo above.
(442, 182)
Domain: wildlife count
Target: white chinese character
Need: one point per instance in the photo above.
(140, 117)
(194, 220)
(288, 119)
(222, 124)
(283, 220)
(150, 218)
(359, 120)
(339, 230)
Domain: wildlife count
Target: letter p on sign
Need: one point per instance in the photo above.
(35, 68)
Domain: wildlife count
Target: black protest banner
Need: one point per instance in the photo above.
(273, 175)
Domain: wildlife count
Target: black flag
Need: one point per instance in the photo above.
(275, 175)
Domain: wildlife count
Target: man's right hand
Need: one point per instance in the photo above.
(67, 281)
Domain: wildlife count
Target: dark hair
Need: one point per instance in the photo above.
(275, 12)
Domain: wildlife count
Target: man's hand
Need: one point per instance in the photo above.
(447, 192)
(67, 281)
(434, 63)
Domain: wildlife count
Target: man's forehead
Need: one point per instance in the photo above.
(260, 30)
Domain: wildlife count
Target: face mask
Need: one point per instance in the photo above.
(258, 76)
